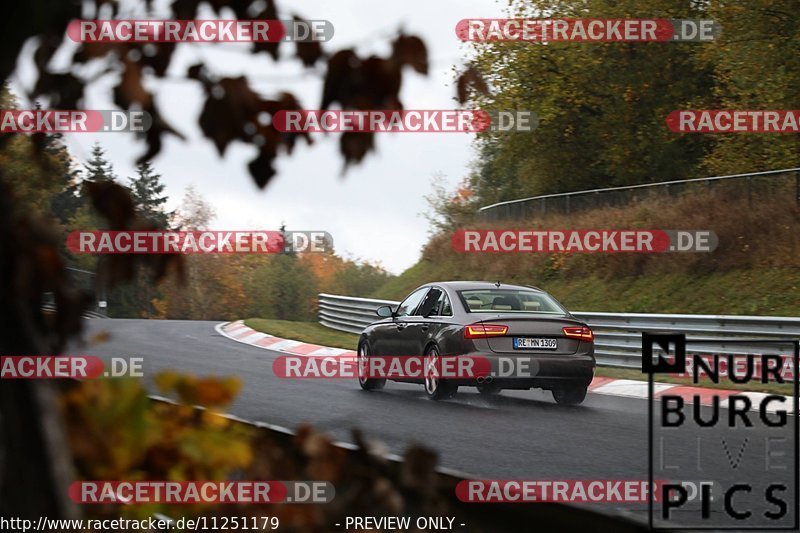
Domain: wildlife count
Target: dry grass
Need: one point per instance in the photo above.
(754, 270)
(762, 233)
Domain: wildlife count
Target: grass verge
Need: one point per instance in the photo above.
(310, 332)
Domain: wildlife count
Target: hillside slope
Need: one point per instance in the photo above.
(755, 269)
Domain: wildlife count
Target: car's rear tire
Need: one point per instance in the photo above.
(435, 387)
(367, 383)
(569, 394)
(489, 389)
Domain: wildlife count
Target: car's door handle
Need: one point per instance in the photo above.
(424, 328)
(401, 326)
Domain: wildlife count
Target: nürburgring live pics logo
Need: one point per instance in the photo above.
(726, 459)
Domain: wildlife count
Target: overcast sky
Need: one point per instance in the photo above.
(372, 211)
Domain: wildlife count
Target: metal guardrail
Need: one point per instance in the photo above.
(83, 280)
(51, 307)
(618, 336)
(347, 313)
(786, 181)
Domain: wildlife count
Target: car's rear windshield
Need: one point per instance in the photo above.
(509, 301)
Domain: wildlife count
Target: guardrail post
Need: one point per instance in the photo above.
(749, 192)
(797, 187)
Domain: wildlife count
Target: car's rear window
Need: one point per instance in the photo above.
(509, 301)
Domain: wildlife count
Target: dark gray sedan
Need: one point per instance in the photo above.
(528, 338)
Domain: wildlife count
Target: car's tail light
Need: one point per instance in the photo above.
(581, 333)
(481, 331)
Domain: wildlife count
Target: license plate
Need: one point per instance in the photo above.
(528, 343)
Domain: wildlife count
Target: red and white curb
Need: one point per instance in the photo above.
(638, 389)
(240, 333)
(628, 388)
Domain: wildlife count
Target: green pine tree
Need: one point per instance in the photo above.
(136, 298)
(98, 168)
(147, 192)
(66, 203)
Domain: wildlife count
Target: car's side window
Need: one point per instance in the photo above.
(429, 305)
(445, 309)
(436, 303)
(410, 304)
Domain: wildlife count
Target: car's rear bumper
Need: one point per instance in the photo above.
(524, 371)
(514, 371)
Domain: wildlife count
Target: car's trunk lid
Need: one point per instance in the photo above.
(532, 326)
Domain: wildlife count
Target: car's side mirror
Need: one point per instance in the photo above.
(384, 311)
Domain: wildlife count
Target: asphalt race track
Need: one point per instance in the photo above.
(518, 435)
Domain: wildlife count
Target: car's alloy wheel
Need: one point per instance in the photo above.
(366, 382)
(569, 394)
(435, 387)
